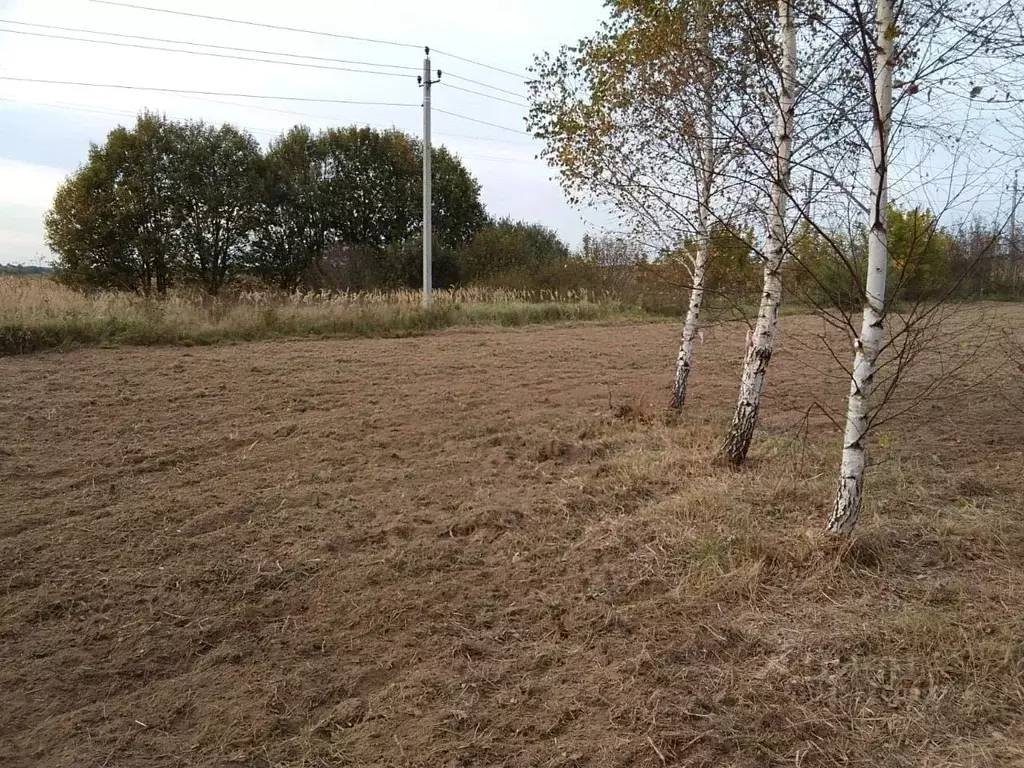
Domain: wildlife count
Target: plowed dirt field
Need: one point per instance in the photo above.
(493, 548)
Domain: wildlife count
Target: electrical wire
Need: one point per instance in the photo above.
(482, 138)
(125, 113)
(207, 17)
(265, 131)
(203, 53)
(302, 30)
(120, 35)
(263, 108)
(471, 61)
(481, 122)
(72, 107)
(444, 134)
(484, 95)
(245, 58)
(208, 93)
(496, 159)
(484, 85)
(113, 113)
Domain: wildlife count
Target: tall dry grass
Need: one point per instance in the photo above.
(739, 630)
(39, 313)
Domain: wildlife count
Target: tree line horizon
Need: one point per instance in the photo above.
(185, 202)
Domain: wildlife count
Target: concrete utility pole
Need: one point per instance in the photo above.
(428, 228)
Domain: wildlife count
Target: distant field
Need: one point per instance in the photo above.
(495, 548)
(38, 313)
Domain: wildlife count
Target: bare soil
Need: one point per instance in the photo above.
(494, 548)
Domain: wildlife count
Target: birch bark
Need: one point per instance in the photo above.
(691, 325)
(849, 496)
(762, 340)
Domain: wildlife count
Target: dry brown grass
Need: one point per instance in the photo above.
(317, 557)
(38, 313)
(780, 646)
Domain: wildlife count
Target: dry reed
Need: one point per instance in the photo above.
(39, 313)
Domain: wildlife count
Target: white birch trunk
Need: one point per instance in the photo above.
(762, 341)
(691, 326)
(849, 495)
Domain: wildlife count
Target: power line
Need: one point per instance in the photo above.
(267, 109)
(268, 131)
(293, 113)
(497, 159)
(302, 30)
(207, 93)
(202, 53)
(113, 112)
(484, 85)
(321, 33)
(487, 139)
(446, 135)
(481, 138)
(484, 95)
(329, 118)
(470, 61)
(246, 58)
(213, 45)
(482, 122)
(72, 107)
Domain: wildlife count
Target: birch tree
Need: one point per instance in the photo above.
(762, 339)
(954, 49)
(705, 182)
(867, 345)
(819, 82)
(640, 117)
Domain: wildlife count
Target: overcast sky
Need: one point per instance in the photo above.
(45, 130)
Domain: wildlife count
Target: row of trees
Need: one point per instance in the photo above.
(164, 202)
(690, 116)
(168, 201)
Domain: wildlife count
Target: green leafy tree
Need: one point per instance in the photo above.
(359, 191)
(400, 264)
(506, 246)
(919, 254)
(375, 188)
(372, 185)
(826, 266)
(458, 212)
(90, 249)
(216, 178)
(111, 224)
(202, 203)
(297, 210)
(816, 275)
(732, 269)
